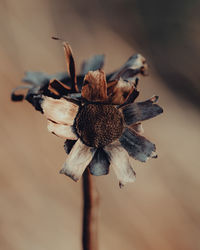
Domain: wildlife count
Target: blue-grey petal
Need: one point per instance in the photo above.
(100, 163)
(94, 63)
(141, 111)
(36, 78)
(136, 64)
(137, 146)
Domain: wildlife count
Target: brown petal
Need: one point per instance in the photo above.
(77, 160)
(58, 88)
(71, 65)
(63, 131)
(119, 91)
(94, 88)
(59, 110)
(119, 160)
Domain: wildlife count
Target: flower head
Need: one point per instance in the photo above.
(97, 116)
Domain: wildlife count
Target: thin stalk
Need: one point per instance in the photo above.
(90, 213)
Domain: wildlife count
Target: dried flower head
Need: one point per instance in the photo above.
(96, 115)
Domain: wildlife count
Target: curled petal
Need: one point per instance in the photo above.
(94, 87)
(77, 160)
(133, 95)
(70, 65)
(119, 160)
(94, 63)
(59, 110)
(63, 131)
(137, 146)
(18, 97)
(136, 64)
(58, 88)
(141, 111)
(119, 91)
(100, 163)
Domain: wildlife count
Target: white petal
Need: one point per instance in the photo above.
(59, 110)
(119, 159)
(63, 131)
(77, 160)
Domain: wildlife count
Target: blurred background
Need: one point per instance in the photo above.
(40, 209)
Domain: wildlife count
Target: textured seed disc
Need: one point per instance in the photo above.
(98, 125)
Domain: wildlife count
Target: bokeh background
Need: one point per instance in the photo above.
(40, 209)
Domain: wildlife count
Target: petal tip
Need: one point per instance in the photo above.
(65, 172)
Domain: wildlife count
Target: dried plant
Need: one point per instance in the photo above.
(97, 116)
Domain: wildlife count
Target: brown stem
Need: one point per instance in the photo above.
(90, 213)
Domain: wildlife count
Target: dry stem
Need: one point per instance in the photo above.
(90, 213)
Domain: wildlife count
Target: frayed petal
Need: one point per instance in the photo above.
(141, 111)
(94, 63)
(59, 110)
(63, 131)
(137, 146)
(119, 160)
(77, 160)
(100, 163)
(94, 88)
(136, 64)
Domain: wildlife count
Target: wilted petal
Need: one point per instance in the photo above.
(119, 160)
(119, 91)
(59, 110)
(77, 160)
(18, 97)
(70, 65)
(36, 78)
(141, 111)
(94, 63)
(58, 88)
(135, 64)
(137, 146)
(63, 131)
(134, 94)
(100, 163)
(94, 87)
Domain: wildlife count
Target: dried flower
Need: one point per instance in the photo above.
(96, 115)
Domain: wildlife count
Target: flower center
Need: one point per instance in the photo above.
(98, 125)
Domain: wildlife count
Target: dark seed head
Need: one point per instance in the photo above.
(98, 125)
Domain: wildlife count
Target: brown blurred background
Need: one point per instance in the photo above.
(40, 209)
